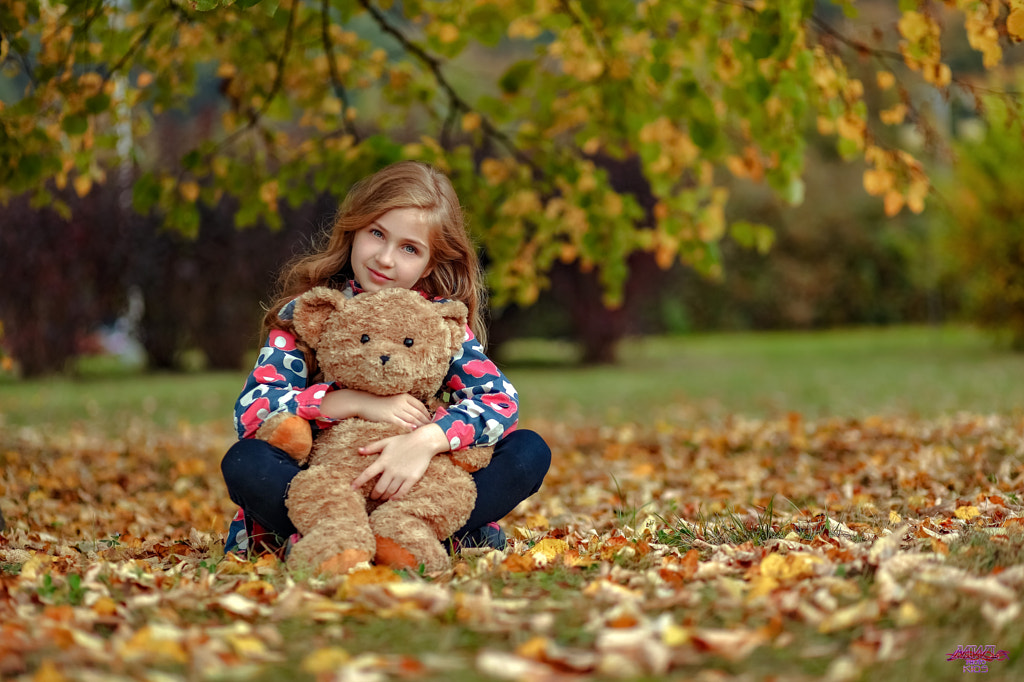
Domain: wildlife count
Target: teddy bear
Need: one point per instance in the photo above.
(389, 342)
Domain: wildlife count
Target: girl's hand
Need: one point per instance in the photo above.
(401, 409)
(403, 461)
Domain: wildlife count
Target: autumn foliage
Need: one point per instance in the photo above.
(526, 102)
(837, 549)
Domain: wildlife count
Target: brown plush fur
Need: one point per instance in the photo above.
(341, 527)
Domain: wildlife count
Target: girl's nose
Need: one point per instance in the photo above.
(386, 256)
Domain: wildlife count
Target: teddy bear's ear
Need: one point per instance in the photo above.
(455, 314)
(312, 309)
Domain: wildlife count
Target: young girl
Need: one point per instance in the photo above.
(400, 227)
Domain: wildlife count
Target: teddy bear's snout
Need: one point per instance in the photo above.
(384, 359)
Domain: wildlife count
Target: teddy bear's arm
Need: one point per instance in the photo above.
(473, 459)
(290, 433)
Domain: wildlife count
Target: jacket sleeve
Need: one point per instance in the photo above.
(278, 383)
(483, 406)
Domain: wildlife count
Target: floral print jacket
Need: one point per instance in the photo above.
(482, 405)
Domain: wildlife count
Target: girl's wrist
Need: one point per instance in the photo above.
(433, 438)
(340, 403)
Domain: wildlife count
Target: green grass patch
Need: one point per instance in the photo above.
(914, 371)
(918, 371)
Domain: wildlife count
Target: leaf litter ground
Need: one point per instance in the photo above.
(836, 549)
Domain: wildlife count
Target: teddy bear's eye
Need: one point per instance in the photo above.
(408, 343)
(364, 339)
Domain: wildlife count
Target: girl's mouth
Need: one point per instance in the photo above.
(377, 275)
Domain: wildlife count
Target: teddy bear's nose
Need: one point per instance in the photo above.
(384, 359)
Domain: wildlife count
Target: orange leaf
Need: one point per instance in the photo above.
(517, 563)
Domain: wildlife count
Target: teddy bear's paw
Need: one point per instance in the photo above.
(391, 553)
(343, 562)
(290, 433)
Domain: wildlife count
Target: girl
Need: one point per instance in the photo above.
(400, 227)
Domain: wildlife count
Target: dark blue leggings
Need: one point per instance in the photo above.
(257, 475)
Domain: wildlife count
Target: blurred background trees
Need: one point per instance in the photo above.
(628, 167)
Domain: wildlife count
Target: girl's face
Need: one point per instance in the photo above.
(392, 251)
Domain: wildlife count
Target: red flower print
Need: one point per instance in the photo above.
(500, 403)
(480, 368)
(455, 383)
(309, 401)
(267, 374)
(460, 435)
(281, 340)
(254, 416)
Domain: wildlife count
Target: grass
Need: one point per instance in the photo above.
(921, 371)
(918, 371)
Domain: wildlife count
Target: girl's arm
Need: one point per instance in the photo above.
(484, 408)
(278, 383)
(484, 405)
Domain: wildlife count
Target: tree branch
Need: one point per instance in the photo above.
(457, 102)
(339, 88)
(282, 58)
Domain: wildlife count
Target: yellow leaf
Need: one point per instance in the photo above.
(448, 33)
(1015, 24)
(877, 181)
(894, 518)
(374, 575)
(155, 643)
(908, 614)
(762, 585)
(189, 190)
(259, 590)
(105, 606)
(894, 115)
(83, 183)
(471, 121)
(48, 672)
(534, 648)
(967, 513)
(30, 569)
(790, 566)
(893, 202)
(549, 547)
(675, 635)
(247, 646)
(914, 26)
(885, 79)
(268, 193)
(325, 661)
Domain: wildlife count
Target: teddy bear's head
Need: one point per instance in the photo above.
(388, 342)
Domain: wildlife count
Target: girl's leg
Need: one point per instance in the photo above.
(517, 469)
(257, 476)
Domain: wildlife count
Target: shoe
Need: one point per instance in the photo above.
(241, 530)
(490, 535)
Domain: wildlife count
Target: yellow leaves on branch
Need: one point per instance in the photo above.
(1015, 24)
(982, 33)
(921, 47)
(678, 151)
(898, 178)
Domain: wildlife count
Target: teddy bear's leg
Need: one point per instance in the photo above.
(409, 530)
(332, 519)
(289, 433)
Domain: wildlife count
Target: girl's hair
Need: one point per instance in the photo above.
(454, 269)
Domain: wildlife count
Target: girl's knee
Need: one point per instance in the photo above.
(534, 450)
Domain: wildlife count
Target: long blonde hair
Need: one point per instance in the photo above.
(454, 270)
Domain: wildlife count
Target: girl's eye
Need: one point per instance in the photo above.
(376, 233)
(411, 249)
(408, 343)
(364, 339)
